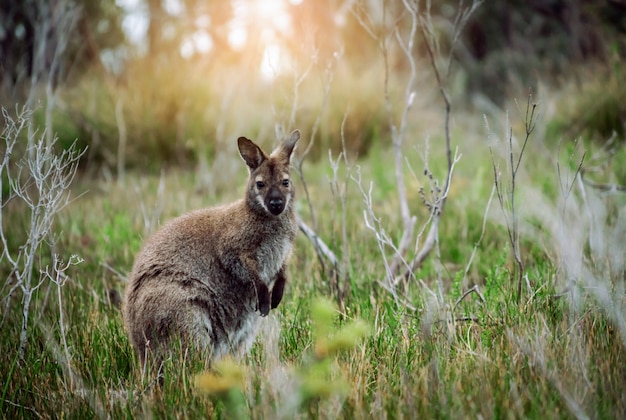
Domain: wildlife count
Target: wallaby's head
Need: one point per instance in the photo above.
(269, 185)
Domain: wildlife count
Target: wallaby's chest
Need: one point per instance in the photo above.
(271, 255)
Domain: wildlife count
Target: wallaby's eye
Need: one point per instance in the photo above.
(260, 184)
(285, 182)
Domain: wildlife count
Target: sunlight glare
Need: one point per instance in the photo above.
(237, 37)
(271, 13)
(186, 48)
(135, 22)
(202, 42)
(263, 25)
(173, 7)
(272, 63)
(198, 43)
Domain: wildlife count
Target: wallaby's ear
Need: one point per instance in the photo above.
(251, 153)
(286, 148)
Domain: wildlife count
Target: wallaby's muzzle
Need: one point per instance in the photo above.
(274, 201)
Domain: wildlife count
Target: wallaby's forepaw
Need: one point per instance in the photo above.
(275, 301)
(277, 294)
(279, 288)
(263, 295)
(264, 308)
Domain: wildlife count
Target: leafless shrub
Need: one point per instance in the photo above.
(400, 264)
(39, 182)
(506, 189)
(582, 232)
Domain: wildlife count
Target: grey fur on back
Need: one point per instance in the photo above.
(208, 276)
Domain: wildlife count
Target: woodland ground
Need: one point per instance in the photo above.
(560, 352)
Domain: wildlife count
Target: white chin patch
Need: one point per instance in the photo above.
(259, 200)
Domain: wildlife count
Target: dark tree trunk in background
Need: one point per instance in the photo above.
(41, 41)
(17, 39)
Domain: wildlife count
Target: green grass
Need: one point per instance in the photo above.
(548, 356)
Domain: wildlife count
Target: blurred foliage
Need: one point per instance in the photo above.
(175, 108)
(227, 375)
(597, 112)
(510, 46)
(162, 116)
(319, 377)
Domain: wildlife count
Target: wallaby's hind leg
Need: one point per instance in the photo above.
(164, 313)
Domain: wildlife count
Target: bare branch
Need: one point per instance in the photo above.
(320, 247)
(433, 232)
(608, 188)
(123, 139)
(474, 289)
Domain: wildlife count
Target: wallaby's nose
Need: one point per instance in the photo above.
(276, 205)
(275, 202)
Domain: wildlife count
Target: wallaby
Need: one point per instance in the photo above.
(205, 277)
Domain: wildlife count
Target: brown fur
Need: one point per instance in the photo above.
(205, 277)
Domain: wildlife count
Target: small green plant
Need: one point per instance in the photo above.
(317, 375)
(226, 384)
(316, 379)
